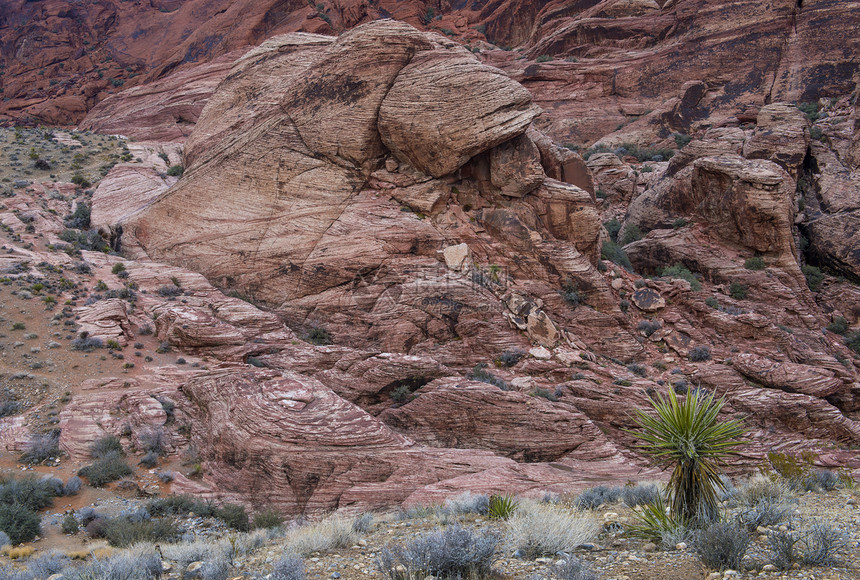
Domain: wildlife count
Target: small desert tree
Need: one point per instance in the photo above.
(687, 434)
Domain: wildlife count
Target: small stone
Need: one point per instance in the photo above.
(681, 546)
(768, 568)
(617, 284)
(729, 572)
(714, 576)
(761, 530)
(335, 575)
(456, 257)
(610, 516)
(649, 547)
(56, 577)
(648, 300)
(540, 353)
(783, 528)
(543, 560)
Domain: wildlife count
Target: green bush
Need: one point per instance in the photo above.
(712, 302)
(70, 524)
(614, 253)
(679, 271)
(814, 277)
(19, 523)
(838, 326)
(811, 111)
(109, 468)
(853, 342)
(34, 494)
(544, 58)
(738, 291)
(754, 263)
(235, 516)
(612, 226)
(105, 446)
(631, 234)
(681, 140)
(269, 518)
(318, 335)
(175, 171)
(122, 532)
(687, 436)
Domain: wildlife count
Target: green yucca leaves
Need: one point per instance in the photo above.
(502, 507)
(687, 435)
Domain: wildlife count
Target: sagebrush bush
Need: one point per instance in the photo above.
(539, 529)
(40, 447)
(70, 524)
(288, 567)
(571, 568)
(754, 263)
(468, 503)
(723, 545)
(122, 531)
(454, 552)
(511, 357)
(640, 494)
(594, 497)
(814, 276)
(614, 253)
(48, 564)
(766, 512)
(34, 494)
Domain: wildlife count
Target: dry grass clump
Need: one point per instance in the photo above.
(330, 534)
(537, 529)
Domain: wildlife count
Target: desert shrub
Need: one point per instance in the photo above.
(838, 326)
(738, 291)
(712, 302)
(87, 343)
(571, 295)
(362, 523)
(653, 521)
(539, 529)
(853, 342)
(640, 494)
(169, 290)
(122, 531)
(571, 568)
(700, 354)
(106, 469)
(117, 268)
(107, 445)
(152, 440)
(688, 436)
(318, 335)
(821, 545)
(288, 567)
(235, 516)
(594, 497)
(544, 58)
(73, 485)
(682, 140)
(648, 327)
(612, 226)
(544, 394)
(468, 503)
(137, 564)
(679, 223)
(479, 373)
(637, 369)
(48, 564)
(754, 263)
(454, 552)
(268, 518)
(632, 234)
(766, 512)
(40, 447)
(78, 219)
(34, 494)
(614, 253)
(175, 171)
(760, 488)
(180, 505)
(811, 110)
(722, 545)
(70, 524)
(813, 275)
(329, 534)
(19, 522)
(679, 271)
(149, 460)
(501, 507)
(511, 357)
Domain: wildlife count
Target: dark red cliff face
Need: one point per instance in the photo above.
(613, 61)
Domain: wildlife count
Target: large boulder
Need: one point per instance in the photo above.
(781, 135)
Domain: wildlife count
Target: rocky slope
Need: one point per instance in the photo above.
(403, 289)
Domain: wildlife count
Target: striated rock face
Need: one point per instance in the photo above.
(324, 166)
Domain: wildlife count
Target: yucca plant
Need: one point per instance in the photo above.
(501, 506)
(688, 435)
